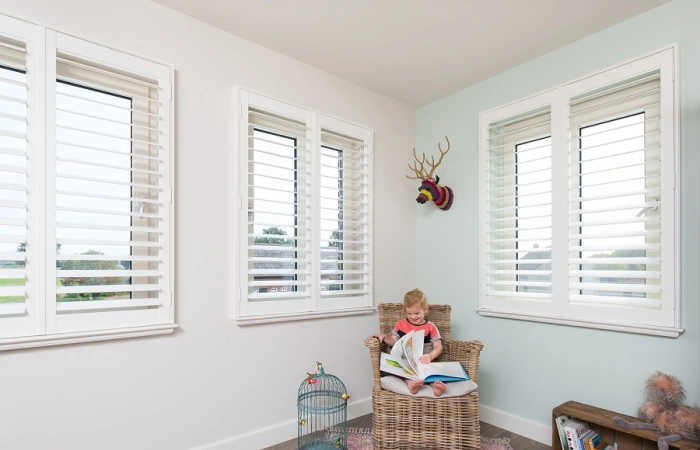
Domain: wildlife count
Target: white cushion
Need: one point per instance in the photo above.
(454, 388)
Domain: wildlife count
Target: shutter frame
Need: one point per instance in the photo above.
(526, 117)
(39, 317)
(19, 310)
(253, 305)
(666, 320)
(354, 142)
(149, 85)
(662, 312)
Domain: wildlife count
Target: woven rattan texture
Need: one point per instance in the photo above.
(402, 422)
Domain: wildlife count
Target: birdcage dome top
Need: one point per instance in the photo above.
(321, 381)
(322, 390)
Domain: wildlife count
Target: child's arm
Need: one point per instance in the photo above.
(388, 339)
(437, 349)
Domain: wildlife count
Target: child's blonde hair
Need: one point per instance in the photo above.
(415, 297)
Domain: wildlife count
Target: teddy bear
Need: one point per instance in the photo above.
(665, 412)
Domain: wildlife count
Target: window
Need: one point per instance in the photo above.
(578, 202)
(305, 235)
(85, 197)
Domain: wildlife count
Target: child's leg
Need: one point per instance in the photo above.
(439, 388)
(414, 385)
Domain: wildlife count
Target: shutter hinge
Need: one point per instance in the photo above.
(240, 203)
(240, 111)
(171, 196)
(171, 299)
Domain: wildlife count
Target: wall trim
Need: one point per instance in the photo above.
(516, 424)
(279, 432)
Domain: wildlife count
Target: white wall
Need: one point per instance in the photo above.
(526, 367)
(211, 384)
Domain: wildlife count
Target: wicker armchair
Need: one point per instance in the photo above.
(409, 423)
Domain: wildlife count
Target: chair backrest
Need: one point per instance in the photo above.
(390, 313)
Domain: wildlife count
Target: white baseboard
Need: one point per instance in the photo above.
(284, 431)
(516, 424)
(280, 432)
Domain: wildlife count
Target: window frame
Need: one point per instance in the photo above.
(41, 309)
(663, 322)
(316, 307)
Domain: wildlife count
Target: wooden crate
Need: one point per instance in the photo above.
(601, 422)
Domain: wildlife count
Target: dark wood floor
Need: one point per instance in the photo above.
(487, 430)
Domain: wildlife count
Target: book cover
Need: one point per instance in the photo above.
(561, 422)
(592, 442)
(602, 445)
(581, 441)
(575, 429)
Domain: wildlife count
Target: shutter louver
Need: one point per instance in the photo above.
(518, 174)
(345, 207)
(13, 180)
(277, 195)
(615, 185)
(112, 192)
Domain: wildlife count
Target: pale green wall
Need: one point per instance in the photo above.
(528, 368)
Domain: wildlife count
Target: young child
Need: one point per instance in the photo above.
(416, 305)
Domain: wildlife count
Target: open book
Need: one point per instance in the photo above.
(403, 362)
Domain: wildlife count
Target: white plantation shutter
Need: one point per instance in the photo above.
(13, 178)
(517, 207)
(621, 201)
(276, 218)
(579, 205)
(305, 203)
(109, 192)
(345, 213)
(86, 223)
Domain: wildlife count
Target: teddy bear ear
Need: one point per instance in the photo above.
(665, 388)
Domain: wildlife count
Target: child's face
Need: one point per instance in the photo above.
(416, 314)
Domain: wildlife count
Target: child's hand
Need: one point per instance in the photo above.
(385, 339)
(425, 359)
(381, 337)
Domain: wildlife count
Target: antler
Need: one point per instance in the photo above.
(442, 154)
(420, 173)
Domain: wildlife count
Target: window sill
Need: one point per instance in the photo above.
(87, 336)
(254, 320)
(649, 330)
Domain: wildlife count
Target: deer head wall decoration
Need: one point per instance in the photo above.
(430, 189)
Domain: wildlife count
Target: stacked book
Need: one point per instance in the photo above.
(577, 434)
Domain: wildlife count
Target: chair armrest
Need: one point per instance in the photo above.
(373, 345)
(466, 352)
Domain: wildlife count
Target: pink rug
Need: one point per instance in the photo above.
(361, 439)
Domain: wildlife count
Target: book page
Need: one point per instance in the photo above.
(410, 341)
(391, 365)
(443, 371)
(403, 352)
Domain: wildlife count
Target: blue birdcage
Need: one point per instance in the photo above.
(323, 412)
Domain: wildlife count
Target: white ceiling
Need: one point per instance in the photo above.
(414, 51)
